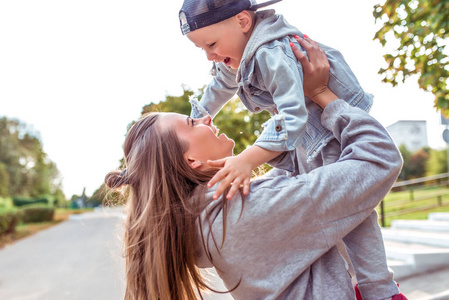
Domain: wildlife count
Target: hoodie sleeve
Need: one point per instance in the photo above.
(337, 197)
(219, 91)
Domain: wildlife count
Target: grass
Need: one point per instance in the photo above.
(425, 199)
(25, 230)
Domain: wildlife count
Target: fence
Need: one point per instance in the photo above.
(416, 195)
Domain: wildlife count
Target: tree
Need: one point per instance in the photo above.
(404, 175)
(4, 181)
(25, 169)
(437, 162)
(420, 30)
(417, 163)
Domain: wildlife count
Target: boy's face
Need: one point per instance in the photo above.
(222, 42)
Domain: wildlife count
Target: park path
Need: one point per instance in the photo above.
(77, 259)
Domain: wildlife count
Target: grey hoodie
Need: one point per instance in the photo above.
(281, 243)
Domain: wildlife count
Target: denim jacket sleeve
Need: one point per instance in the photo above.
(219, 91)
(282, 77)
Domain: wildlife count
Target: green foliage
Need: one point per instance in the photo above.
(406, 157)
(6, 203)
(21, 201)
(240, 124)
(25, 169)
(418, 162)
(420, 28)
(171, 104)
(234, 119)
(35, 214)
(4, 180)
(8, 220)
(437, 162)
(424, 162)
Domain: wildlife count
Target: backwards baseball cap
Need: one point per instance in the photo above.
(196, 14)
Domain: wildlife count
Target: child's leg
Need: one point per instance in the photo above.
(366, 251)
(364, 244)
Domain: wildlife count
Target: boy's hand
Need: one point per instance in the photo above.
(235, 171)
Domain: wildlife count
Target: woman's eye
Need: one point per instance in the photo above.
(193, 122)
(211, 45)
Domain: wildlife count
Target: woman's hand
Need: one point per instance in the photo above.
(316, 71)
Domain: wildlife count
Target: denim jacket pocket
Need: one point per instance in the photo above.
(274, 130)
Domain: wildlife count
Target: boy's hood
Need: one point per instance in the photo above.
(269, 26)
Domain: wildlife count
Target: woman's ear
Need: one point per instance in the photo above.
(194, 163)
(245, 20)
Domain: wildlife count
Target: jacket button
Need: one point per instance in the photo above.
(218, 69)
(257, 108)
(250, 85)
(278, 128)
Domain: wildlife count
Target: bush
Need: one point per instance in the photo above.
(18, 201)
(34, 214)
(8, 220)
(6, 203)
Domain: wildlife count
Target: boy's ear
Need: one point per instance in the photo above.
(245, 20)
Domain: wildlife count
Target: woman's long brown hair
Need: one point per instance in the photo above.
(160, 234)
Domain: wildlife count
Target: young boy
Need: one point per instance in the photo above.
(253, 57)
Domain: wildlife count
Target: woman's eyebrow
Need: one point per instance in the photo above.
(187, 120)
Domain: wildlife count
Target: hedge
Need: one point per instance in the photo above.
(8, 220)
(36, 214)
(18, 201)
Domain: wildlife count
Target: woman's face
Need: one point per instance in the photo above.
(202, 137)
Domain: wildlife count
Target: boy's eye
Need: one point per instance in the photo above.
(211, 45)
(192, 122)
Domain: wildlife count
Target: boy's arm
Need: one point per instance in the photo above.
(236, 170)
(222, 88)
(280, 74)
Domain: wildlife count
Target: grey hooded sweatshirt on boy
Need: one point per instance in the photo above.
(280, 240)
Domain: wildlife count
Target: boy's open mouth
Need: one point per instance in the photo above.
(227, 60)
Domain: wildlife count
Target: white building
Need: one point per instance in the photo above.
(412, 134)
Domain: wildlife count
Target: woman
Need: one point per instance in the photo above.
(276, 243)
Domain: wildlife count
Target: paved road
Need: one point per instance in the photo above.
(80, 259)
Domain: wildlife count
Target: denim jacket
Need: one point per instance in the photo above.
(271, 78)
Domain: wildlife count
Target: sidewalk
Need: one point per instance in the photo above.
(429, 286)
(79, 259)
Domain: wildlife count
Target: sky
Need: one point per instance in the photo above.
(78, 72)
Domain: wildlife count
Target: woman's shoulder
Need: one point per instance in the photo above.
(278, 180)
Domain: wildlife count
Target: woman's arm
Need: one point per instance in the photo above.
(309, 213)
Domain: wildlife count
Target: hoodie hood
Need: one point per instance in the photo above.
(269, 27)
